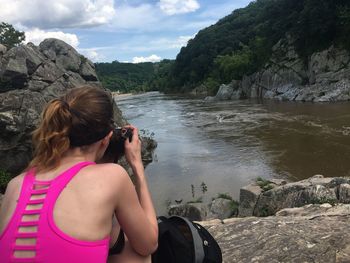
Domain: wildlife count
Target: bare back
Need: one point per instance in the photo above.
(85, 207)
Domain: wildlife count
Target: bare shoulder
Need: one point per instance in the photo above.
(15, 184)
(107, 173)
(13, 189)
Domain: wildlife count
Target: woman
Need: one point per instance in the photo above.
(61, 208)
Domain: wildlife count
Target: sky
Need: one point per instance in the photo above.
(124, 30)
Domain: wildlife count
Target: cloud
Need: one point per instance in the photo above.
(135, 17)
(152, 58)
(58, 13)
(172, 7)
(167, 43)
(36, 36)
(181, 42)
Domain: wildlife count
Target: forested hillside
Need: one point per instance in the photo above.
(241, 43)
(129, 77)
(237, 45)
(124, 77)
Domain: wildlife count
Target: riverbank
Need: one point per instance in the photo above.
(305, 221)
(117, 95)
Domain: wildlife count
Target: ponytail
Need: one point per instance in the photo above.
(51, 138)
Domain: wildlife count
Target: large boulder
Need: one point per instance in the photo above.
(222, 208)
(3, 49)
(224, 93)
(248, 196)
(30, 76)
(192, 211)
(316, 190)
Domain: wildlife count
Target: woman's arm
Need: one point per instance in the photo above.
(135, 211)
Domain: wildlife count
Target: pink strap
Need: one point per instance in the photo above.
(60, 182)
(63, 179)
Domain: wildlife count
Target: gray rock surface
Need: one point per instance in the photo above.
(192, 211)
(324, 78)
(222, 208)
(315, 190)
(248, 196)
(309, 238)
(30, 76)
(3, 49)
(224, 93)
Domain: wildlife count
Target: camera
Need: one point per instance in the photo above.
(115, 149)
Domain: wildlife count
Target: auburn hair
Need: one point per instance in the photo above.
(81, 117)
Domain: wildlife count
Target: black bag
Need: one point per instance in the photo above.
(183, 241)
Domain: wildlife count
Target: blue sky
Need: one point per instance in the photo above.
(123, 30)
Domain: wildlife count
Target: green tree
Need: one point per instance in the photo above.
(9, 36)
(235, 66)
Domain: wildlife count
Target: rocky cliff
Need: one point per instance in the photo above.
(323, 77)
(30, 76)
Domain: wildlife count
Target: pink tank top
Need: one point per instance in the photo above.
(52, 245)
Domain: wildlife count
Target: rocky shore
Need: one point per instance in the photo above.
(303, 237)
(279, 221)
(323, 77)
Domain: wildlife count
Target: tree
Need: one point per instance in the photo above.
(9, 36)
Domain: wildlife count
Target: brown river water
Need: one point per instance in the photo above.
(226, 145)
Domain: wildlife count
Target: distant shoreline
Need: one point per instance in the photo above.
(120, 95)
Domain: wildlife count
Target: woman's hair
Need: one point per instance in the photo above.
(81, 117)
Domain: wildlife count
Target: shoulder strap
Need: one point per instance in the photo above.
(64, 178)
(197, 240)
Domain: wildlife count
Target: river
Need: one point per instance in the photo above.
(226, 145)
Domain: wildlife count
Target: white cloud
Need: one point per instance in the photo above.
(58, 13)
(142, 16)
(172, 7)
(181, 41)
(152, 58)
(166, 43)
(94, 53)
(36, 36)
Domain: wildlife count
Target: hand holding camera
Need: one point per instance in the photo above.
(116, 147)
(133, 149)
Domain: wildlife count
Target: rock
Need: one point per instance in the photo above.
(222, 208)
(296, 239)
(209, 99)
(3, 49)
(224, 93)
(192, 211)
(21, 61)
(248, 197)
(315, 210)
(344, 193)
(147, 147)
(210, 223)
(324, 78)
(316, 190)
(87, 70)
(30, 76)
(64, 55)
